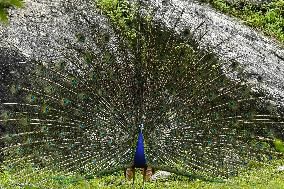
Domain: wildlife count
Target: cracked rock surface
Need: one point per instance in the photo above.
(43, 28)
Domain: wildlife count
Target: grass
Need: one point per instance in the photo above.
(257, 176)
(266, 18)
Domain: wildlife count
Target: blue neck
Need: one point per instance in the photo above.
(139, 158)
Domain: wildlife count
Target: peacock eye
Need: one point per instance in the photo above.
(82, 126)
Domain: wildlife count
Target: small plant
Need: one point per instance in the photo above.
(279, 146)
(5, 5)
(266, 17)
(121, 14)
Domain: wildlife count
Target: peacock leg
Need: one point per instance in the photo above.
(149, 173)
(129, 173)
(133, 182)
(144, 176)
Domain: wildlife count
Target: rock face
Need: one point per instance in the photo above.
(44, 30)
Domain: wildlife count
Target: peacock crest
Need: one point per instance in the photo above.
(83, 113)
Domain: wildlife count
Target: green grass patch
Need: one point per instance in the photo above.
(121, 14)
(259, 176)
(267, 18)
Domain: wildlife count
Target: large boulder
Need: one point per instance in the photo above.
(42, 30)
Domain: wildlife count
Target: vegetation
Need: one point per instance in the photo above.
(121, 14)
(265, 176)
(267, 18)
(5, 5)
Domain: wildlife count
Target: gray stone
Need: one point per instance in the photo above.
(160, 175)
(280, 168)
(44, 30)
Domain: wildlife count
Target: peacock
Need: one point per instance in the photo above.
(145, 98)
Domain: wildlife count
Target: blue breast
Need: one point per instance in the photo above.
(139, 158)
